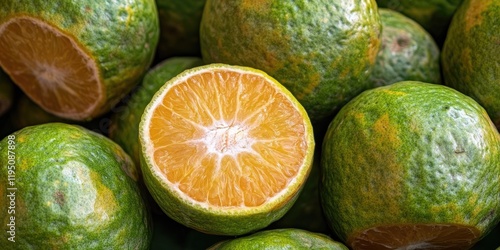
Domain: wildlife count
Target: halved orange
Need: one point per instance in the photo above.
(58, 75)
(77, 60)
(226, 149)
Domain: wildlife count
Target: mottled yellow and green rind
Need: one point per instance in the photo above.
(411, 152)
(121, 37)
(433, 15)
(277, 239)
(407, 52)
(471, 54)
(73, 191)
(179, 27)
(322, 51)
(124, 128)
(6, 92)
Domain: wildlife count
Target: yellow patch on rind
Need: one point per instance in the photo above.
(474, 13)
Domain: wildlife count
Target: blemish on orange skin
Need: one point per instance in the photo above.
(474, 14)
(386, 132)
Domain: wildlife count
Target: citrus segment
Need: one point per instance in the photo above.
(416, 236)
(227, 139)
(59, 76)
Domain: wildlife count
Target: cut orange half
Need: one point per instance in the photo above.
(226, 149)
(50, 67)
(78, 59)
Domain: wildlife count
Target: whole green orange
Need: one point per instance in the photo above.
(411, 165)
(471, 54)
(322, 51)
(65, 187)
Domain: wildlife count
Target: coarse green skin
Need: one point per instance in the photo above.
(411, 153)
(433, 15)
(322, 51)
(277, 239)
(6, 92)
(407, 52)
(121, 36)
(471, 54)
(124, 128)
(74, 191)
(179, 27)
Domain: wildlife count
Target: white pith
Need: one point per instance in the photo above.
(52, 76)
(227, 139)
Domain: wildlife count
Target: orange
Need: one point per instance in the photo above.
(77, 59)
(226, 149)
(411, 165)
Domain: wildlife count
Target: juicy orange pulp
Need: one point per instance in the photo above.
(228, 139)
(49, 67)
(416, 236)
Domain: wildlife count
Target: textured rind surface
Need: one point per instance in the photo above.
(179, 27)
(278, 239)
(73, 192)
(407, 52)
(230, 221)
(124, 128)
(120, 36)
(411, 152)
(321, 51)
(471, 54)
(433, 15)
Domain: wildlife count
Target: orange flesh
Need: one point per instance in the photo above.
(228, 139)
(49, 68)
(418, 236)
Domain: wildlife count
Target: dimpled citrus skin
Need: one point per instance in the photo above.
(471, 54)
(74, 191)
(288, 238)
(411, 152)
(322, 51)
(121, 36)
(407, 52)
